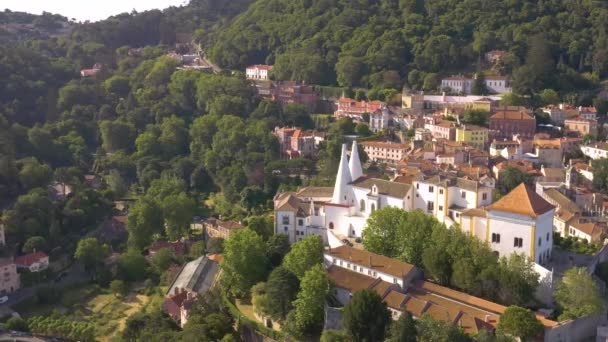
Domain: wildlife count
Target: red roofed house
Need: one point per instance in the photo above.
(91, 72)
(355, 109)
(34, 262)
(258, 72)
(297, 143)
(508, 121)
(177, 305)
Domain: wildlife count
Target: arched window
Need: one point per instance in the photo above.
(373, 207)
(331, 225)
(362, 205)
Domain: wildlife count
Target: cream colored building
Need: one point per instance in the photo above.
(386, 152)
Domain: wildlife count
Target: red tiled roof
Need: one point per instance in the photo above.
(29, 259)
(524, 201)
(89, 72)
(260, 67)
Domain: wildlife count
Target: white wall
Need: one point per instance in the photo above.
(287, 229)
(544, 232)
(510, 226)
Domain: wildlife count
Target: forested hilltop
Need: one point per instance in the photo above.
(380, 43)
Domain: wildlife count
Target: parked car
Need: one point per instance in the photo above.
(3, 299)
(346, 242)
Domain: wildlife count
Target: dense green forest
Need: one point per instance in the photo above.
(388, 43)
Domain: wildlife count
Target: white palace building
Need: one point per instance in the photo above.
(520, 222)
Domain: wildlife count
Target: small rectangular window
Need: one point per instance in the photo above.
(463, 195)
(431, 189)
(484, 196)
(300, 222)
(285, 219)
(441, 191)
(440, 208)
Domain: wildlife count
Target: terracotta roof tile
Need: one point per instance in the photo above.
(379, 263)
(524, 201)
(30, 258)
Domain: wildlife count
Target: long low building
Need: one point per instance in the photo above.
(402, 288)
(385, 152)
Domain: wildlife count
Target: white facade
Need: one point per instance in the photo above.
(535, 234)
(463, 85)
(258, 72)
(595, 151)
(379, 120)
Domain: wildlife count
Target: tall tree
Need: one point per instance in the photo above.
(366, 316)
(578, 295)
(432, 330)
(304, 254)
(245, 262)
(403, 330)
(281, 289)
(177, 212)
(90, 252)
(307, 316)
(145, 219)
(520, 322)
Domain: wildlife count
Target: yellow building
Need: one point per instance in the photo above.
(472, 135)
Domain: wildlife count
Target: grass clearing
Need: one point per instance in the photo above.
(89, 303)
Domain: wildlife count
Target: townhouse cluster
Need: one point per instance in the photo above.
(340, 213)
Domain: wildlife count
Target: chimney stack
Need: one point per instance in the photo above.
(370, 261)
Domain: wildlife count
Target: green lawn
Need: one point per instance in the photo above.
(91, 304)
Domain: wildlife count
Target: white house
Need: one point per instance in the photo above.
(379, 120)
(464, 85)
(595, 150)
(258, 72)
(520, 222)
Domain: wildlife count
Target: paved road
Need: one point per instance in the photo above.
(6, 337)
(75, 275)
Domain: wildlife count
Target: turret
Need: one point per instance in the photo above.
(354, 165)
(342, 179)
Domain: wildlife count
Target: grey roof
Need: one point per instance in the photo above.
(333, 318)
(562, 201)
(197, 276)
(385, 187)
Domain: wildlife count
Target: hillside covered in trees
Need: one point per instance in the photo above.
(388, 43)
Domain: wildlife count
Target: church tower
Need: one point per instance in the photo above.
(354, 164)
(343, 178)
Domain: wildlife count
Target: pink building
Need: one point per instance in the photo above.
(297, 143)
(355, 109)
(10, 281)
